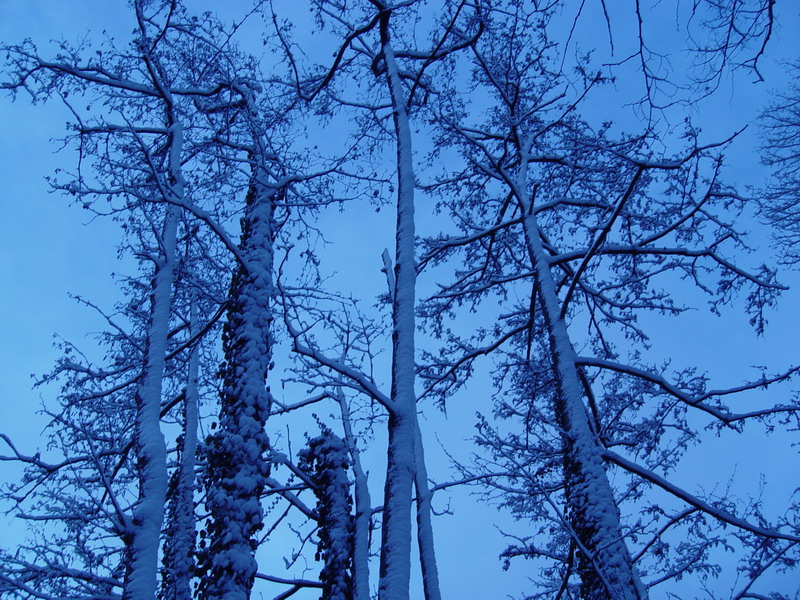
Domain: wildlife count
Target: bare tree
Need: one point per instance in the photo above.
(591, 226)
(139, 144)
(375, 32)
(780, 123)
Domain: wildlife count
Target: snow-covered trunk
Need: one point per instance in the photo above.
(237, 467)
(363, 511)
(361, 531)
(326, 461)
(427, 555)
(605, 566)
(148, 516)
(395, 561)
(179, 545)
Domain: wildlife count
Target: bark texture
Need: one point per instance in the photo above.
(237, 464)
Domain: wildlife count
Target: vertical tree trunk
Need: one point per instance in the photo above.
(151, 449)
(179, 545)
(395, 562)
(363, 511)
(148, 516)
(237, 465)
(427, 554)
(326, 461)
(604, 564)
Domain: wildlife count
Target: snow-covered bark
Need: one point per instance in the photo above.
(148, 516)
(604, 562)
(395, 561)
(363, 510)
(326, 461)
(427, 554)
(151, 447)
(180, 538)
(237, 467)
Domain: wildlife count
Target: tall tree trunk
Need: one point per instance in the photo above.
(363, 510)
(179, 546)
(148, 516)
(395, 561)
(427, 554)
(604, 562)
(237, 465)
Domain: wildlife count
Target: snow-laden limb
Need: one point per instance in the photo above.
(756, 572)
(718, 513)
(20, 578)
(351, 377)
(699, 399)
